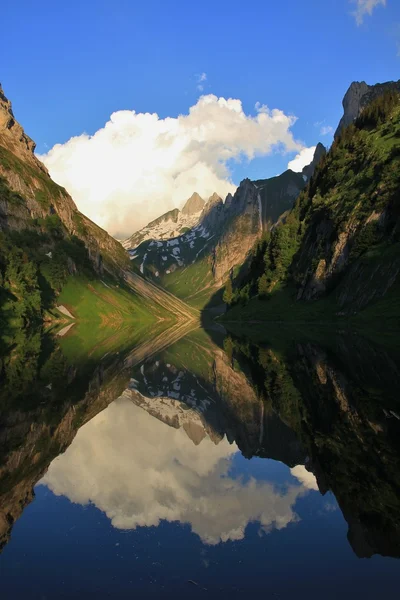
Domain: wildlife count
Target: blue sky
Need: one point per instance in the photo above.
(67, 67)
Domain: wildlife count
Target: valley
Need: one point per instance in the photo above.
(200, 300)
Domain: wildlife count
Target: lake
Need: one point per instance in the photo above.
(201, 464)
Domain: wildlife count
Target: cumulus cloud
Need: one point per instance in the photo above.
(302, 159)
(365, 7)
(140, 471)
(138, 165)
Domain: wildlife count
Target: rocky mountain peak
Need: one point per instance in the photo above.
(358, 96)
(213, 212)
(12, 135)
(193, 205)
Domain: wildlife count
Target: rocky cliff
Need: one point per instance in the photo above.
(28, 195)
(193, 205)
(358, 96)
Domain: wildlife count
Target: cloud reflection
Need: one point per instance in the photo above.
(139, 471)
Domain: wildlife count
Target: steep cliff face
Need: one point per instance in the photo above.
(358, 96)
(28, 195)
(193, 205)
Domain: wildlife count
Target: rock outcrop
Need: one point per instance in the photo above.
(358, 96)
(319, 153)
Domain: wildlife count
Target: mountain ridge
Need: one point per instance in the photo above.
(197, 261)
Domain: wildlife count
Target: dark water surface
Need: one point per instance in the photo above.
(214, 467)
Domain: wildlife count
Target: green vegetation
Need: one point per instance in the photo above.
(104, 310)
(340, 243)
(193, 284)
(42, 266)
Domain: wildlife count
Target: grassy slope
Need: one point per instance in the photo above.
(193, 284)
(104, 311)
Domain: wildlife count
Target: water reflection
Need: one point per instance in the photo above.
(153, 434)
(138, 471)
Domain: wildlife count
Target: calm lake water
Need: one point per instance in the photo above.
(205, 466)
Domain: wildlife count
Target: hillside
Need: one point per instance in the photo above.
(51, 254)
(340, 245)
(30, 200)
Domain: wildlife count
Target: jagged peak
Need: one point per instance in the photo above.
(214, 198)
(193, 205)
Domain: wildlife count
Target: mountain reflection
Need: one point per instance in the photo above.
(154, 433)
(138, 471)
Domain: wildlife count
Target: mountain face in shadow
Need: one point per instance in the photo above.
(327, 406)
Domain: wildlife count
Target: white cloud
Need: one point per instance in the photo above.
(302, 159)
(138, 165)
(365, 7)
(140, 471)
(305, 477)
(326, 130)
